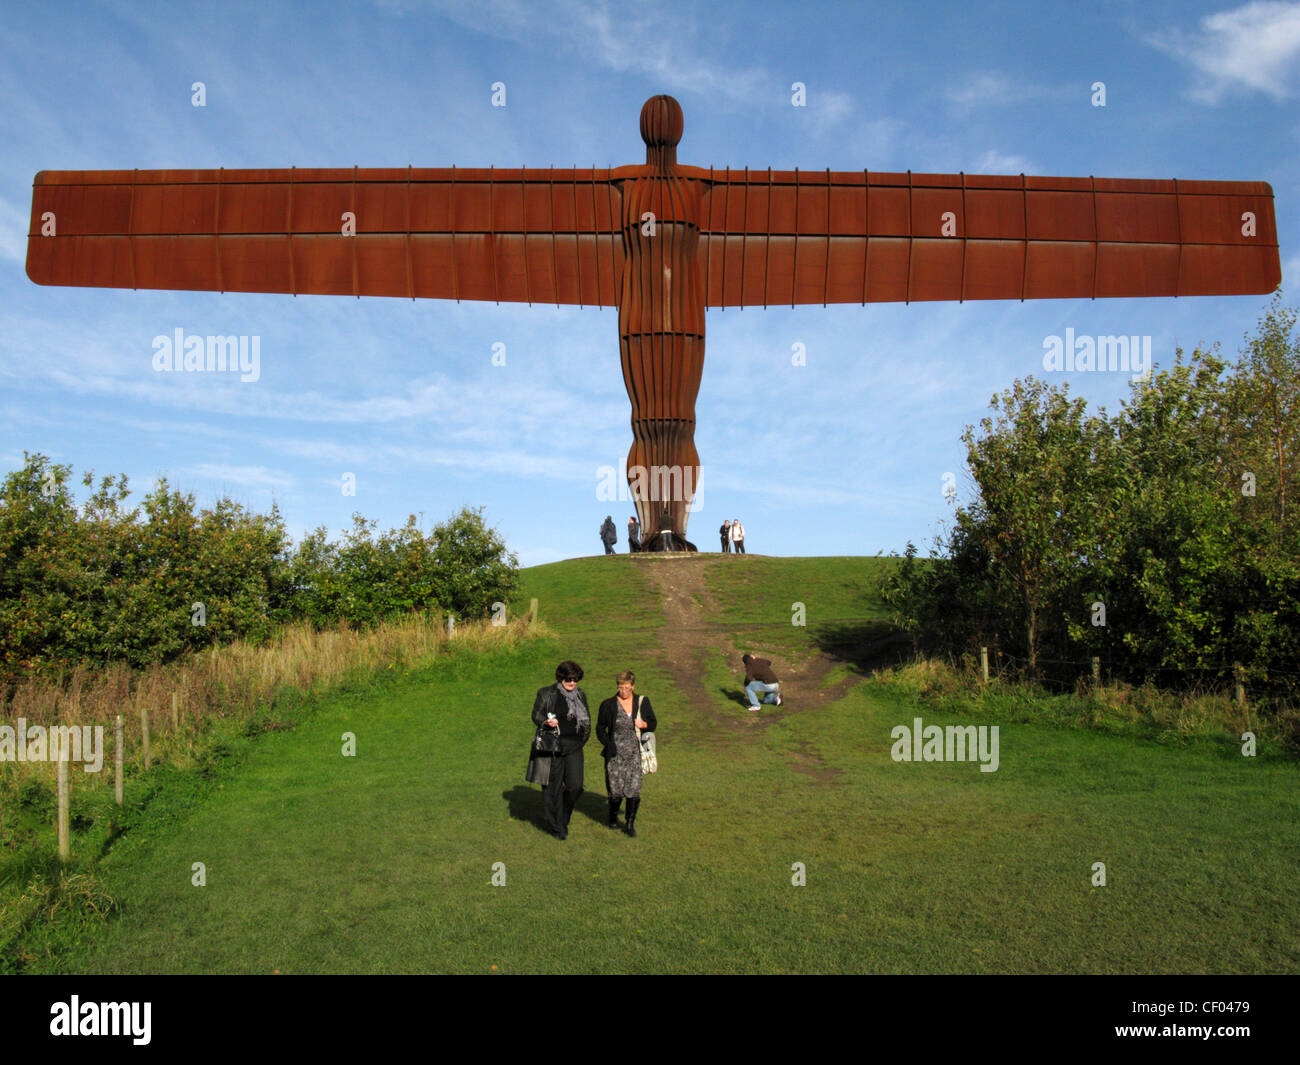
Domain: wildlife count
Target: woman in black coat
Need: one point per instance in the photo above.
(620, 723)
(563, 706)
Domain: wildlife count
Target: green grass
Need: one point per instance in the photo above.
(384, 862)
(757, 600)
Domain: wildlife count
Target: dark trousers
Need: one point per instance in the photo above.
(740, 546)
(609, 548)
(726, 545)
(561, 794)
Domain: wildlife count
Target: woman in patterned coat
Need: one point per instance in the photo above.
(620, 721)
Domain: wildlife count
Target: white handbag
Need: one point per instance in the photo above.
(649, 756)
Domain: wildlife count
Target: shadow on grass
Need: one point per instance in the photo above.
(525, 804)
(735, 695)
(738, 696)
(866, 645)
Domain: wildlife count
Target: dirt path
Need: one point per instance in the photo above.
(691, 639)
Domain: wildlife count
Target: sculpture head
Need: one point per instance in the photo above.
(661, 129)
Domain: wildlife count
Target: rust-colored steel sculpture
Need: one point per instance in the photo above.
(662, 242)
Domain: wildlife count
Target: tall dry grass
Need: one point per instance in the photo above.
(957, 687)
(239, 680)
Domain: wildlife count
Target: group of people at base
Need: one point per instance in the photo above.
(732, 533)
(609, 535)
(621, 722)
(733, 536)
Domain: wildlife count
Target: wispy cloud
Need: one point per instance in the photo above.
(984, 89)
(627, 38)
(245, 476)
(499, 459)
(13, 232)
(995, 162)
(1255, 48)
(828, 108)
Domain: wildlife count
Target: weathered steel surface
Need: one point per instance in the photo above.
(525, 236)
(660, 241)
(797, 237)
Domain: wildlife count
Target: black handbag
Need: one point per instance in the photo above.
(541, 755)
(547, 740)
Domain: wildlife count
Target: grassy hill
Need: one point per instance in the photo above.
(384, 862)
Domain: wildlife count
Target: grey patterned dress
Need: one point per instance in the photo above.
(623, 771)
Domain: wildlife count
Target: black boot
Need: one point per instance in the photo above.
(614, 804)
(632, 806)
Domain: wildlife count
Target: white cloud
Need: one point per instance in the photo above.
(497, 460)
(989, 89)
(247, 476)
(877, 140)
(1255, 47)
(628, 38)
(995, 162)
(13, 232)
(828, 108)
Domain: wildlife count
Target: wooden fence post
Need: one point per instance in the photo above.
(1240, 692)
(984, 663)
(1096, 670)
(176, 712)
(144, 729)
(65, 849)
(117, 761)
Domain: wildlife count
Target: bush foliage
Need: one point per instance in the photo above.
(105, 582)
(1164, 539)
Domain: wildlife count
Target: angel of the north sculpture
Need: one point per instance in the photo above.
(661, 242)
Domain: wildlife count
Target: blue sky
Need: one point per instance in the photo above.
(843, 455)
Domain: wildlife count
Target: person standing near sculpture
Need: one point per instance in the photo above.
(563, 706)
(620, 723)
(759, 678)
(725, 533)
(738, 537)
(667, 541)
(633, 534)
(608, 534)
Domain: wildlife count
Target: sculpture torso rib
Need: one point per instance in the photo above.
(715, 239)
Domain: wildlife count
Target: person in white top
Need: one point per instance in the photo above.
(738, 537)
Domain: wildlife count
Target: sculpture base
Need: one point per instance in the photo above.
(666, 542)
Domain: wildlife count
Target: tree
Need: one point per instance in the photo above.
(1040, 467)
(474, 569)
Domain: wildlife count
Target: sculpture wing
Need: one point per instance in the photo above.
(787, 237)
(535, 236)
